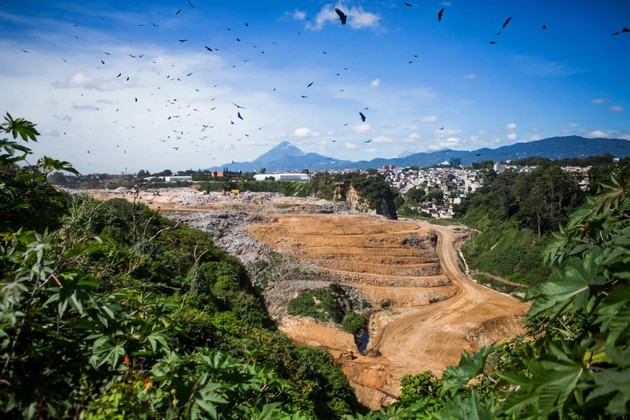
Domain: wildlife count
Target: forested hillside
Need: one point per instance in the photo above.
(515, 215)
(108, 310)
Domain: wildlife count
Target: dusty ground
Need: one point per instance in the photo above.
(434, 312)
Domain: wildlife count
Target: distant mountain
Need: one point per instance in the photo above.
(286, 157)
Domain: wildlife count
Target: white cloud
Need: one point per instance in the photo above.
(415, 136)
(376, 82)
(384, 139)
(304, 132)
(350, 146)
(597, 133)
(616, 108)
(429, 118)
(511, 126)
(357, 18)
(470, 76)
(598, 101)
(362, 128)
(299, 15)
(511, 136)
(573, 124)
(446, 132)
(371, 150)
(535, 137)
(449, 143)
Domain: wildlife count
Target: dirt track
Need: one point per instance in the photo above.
(434, 312)
(413, 334)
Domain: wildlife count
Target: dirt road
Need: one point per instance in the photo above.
(432, 318)
(433, 313)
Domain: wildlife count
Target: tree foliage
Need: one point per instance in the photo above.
(108, 310)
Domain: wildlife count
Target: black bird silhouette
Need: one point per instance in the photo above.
(615, 33)
(102, 62)
(440, 13)
(25, 51)
(178, 10)
(408, 4)
(544, 26)
(367, 141)
(492, 42)
(342, 16)
(208, 48)
(238, 106)
(310, 84)
(106, 53)
(183, 40)
(119, 74)
(362, 116)
(238, 114)
(191, 5)
(506, 22)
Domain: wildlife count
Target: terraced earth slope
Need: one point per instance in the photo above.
(427, 311)
(434, 312)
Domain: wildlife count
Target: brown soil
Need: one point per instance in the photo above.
(434, 312)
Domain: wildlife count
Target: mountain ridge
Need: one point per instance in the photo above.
(287, 157)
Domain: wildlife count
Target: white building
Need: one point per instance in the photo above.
(178, 178)
(283, 177)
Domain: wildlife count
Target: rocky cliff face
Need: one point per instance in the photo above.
(353, 199)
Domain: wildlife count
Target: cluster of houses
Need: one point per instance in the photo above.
(455, 183)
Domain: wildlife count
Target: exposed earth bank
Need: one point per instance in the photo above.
(424, 311)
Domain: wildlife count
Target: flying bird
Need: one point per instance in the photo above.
(310, 84)
(362, 116)
(208, 48)
(191, 5)
(178, 10)
(238, 114)
(544, 26)
(615, 33)
(493, 42)
(408, 4)
(367, 141)
(119, 74)
(342, 16)
(238, 106)
(506, 22)
(25, 51)
(440, 13)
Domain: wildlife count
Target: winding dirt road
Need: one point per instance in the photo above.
(413, 334)
(434, 311)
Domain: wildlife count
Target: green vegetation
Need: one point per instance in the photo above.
(108, 310)
(574, 363)
(515, 214)
(331, 304)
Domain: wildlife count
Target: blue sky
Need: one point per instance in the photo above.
(422, 84)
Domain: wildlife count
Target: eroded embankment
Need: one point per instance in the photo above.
(433, 312)
(426, 311)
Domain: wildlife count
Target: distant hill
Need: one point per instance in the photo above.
(286, 157)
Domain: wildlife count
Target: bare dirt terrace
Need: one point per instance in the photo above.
(427, 312)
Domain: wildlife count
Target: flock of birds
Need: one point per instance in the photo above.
(179, 112)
